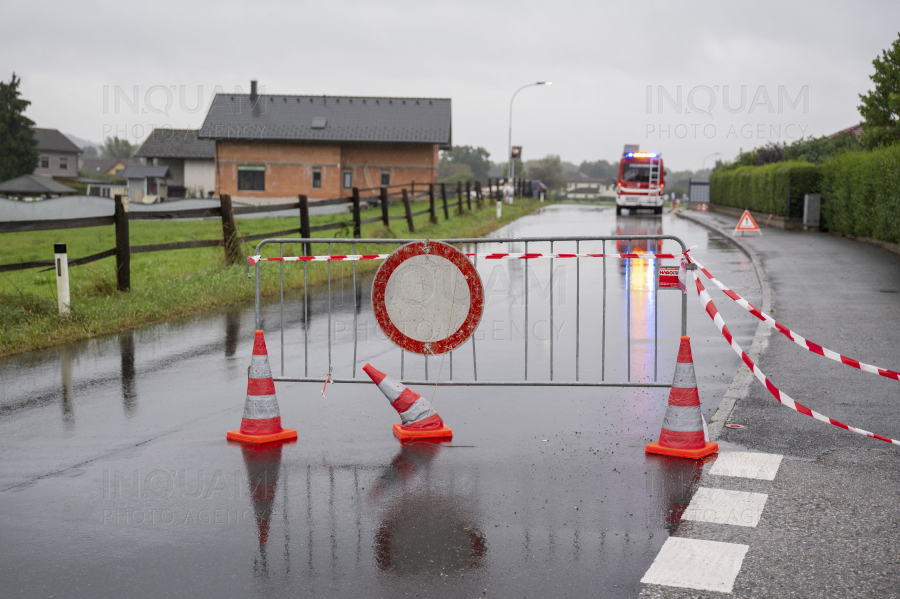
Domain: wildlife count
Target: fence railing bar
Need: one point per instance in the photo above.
(577, 309)
(551, 312)
(329, 308)
(509, 246)
(177, 245)
(355, 316)
(281, 324)
(305, 320)
(474, 358)
(482, 383)
(50, 264)
(603, 322)
(49, 225)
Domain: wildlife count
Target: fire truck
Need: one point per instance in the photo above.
(641, 181)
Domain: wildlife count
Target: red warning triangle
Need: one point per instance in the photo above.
(746, 223)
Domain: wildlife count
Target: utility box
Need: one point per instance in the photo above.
(812, 203)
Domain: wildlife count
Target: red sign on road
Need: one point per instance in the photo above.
(427, 297)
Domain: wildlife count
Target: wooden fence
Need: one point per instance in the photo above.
(231, 240)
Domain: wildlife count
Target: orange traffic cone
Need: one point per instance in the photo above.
(417, 419)
(262, 420)
(682, 430)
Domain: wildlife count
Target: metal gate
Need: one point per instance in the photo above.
(643, 248)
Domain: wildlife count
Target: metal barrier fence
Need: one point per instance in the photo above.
(471, 247)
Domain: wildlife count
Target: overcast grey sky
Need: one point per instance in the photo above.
(602, 58)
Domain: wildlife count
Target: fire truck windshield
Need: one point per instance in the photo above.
(636, 172)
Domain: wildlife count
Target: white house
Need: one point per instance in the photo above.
(581, 187)
(191, 161)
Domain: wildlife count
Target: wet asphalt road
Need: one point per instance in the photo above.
(117, 477)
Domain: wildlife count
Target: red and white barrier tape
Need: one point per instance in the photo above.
(253, 260)
(799, 340)
(782, 397)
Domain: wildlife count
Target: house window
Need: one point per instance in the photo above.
(251, 178)
(348, 179)
(63, 163)
(317, 178)
(45, 162)
(385, 178)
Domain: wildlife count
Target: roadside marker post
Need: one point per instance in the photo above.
(62, 277)
(746, 223)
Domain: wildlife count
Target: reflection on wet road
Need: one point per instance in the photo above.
(117, 477)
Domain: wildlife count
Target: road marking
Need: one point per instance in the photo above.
(696, 564)
(721, 506)
(763, 466)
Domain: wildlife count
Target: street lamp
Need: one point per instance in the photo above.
(710, 156)
(511, 167)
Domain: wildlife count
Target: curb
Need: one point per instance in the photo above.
(741, 381)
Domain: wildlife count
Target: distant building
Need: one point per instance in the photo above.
(854, 130)
(57, 155)
(581, 187)
(191, 161)
(33, 187)
(276, 146)
(105, 166)
(147, 184)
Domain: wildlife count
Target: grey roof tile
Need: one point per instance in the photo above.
(51, 140)
(176, 143)
(347, 119)
(141, 172)
(34, 184)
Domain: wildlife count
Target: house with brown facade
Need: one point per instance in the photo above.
(277, 146)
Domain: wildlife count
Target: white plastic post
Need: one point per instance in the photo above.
(62, 277)
(499, 204)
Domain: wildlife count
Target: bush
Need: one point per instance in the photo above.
(861, 194)
(776, 188)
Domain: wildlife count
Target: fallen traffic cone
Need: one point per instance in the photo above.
(417, 419)
(262, 420)
(682, 430)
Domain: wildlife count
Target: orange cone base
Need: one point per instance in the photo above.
(694, 454)
(405, 434)
(260, 439)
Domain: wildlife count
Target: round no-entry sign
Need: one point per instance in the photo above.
(427, 297)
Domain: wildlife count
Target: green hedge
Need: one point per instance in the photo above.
(861, 194)
(771, 189)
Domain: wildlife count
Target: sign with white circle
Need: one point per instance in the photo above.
(427, 297)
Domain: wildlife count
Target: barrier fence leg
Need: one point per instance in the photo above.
(123, 247)
(304, 224)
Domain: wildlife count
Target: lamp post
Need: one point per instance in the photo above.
(511, 168)
(703, 167)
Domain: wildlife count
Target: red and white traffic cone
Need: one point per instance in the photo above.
(682, 430)
(417, 419)
(262, 419)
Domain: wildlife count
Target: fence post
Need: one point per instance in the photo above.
(444, 200)
(409, 216)
(479, 200)
(385, 217)
(431, 213)
(304, 224)
(229, 231)
(469, 195)
(459, 197)
(123, 247)
(412, 188)
(357, 224)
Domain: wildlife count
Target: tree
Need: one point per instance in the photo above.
(455, 171)
(548, 170)
(880, 107)
(18, 148)
(114, 147)
(476, 158)
(600, 169)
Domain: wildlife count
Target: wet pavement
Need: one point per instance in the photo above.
(117, 477)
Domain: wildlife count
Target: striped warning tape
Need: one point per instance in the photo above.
(799, 340)
(253, 260)
(782, 397)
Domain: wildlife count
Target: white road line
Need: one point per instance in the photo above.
(763, 466)
(721, 506)
(696, 564)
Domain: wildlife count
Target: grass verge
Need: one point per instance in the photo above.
(167, 285)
